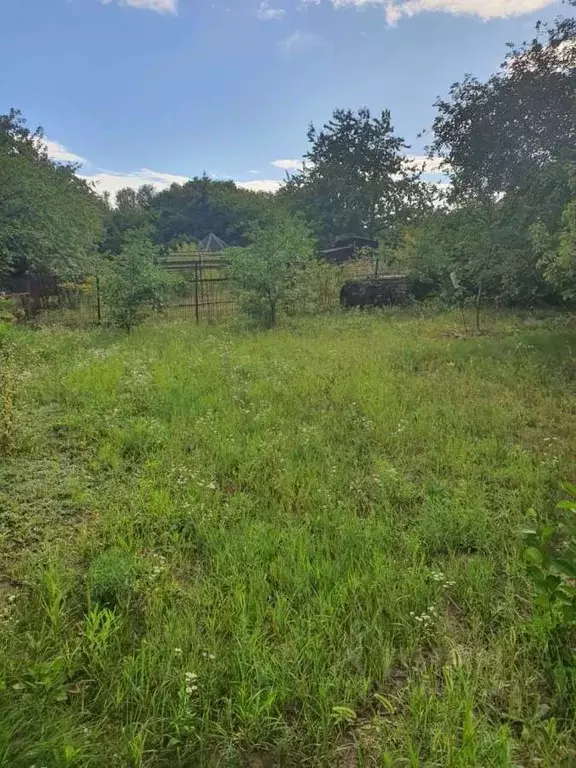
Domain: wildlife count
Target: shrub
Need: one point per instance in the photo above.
(135, 284)
(551, 557)
(270, 273)
(112, 577)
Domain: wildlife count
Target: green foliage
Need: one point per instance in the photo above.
(557, 247)
(271, 272)
(50, 219)
(354, 180)
(314, 531)
(191, 211)
(508, 247)
(132, 214)
(551, 557)
(496, 134)
(111, 580)
(509, 144)
(134, 283)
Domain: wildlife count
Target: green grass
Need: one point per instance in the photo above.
(296, 548)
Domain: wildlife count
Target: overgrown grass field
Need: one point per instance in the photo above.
(294, 548)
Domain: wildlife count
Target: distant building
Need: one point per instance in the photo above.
(212, 244)
(347, 249)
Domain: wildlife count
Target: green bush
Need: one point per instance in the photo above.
(271, 273)
(551, 557)
(112, 577)
(135, 284)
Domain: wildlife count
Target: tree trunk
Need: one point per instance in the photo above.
(272, 316)
(478, 299)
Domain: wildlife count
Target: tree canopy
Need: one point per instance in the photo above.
(50, 219)
(355, 179)
(505, 233)
(497, 134)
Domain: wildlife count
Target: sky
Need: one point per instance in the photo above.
(157, 91)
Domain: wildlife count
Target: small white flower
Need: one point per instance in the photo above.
(191, 688)
(178, 651)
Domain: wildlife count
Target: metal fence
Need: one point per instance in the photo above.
(205, 291)
(204, 294)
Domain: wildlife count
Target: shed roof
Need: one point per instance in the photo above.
(212, 244)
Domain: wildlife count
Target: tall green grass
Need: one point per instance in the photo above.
(301, 547)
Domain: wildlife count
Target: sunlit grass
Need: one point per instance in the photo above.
(296, 548)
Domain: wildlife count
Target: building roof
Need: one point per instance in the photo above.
(212, 244)
(356, 241)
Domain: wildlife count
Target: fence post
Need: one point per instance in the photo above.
(98, 307)
(196, 291)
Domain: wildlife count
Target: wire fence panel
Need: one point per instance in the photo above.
(203, 294)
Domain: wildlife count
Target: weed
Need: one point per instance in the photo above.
(299, 547)
(111, 580)
(7, 397)
(551, 556)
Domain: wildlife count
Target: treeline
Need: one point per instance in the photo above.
(501, 226)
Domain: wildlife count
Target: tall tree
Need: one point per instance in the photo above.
(496, 134)
(355, 180)
(50, 219)
(193, 210)
(132, 213)
(509, 144)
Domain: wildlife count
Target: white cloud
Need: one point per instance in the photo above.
(287, 165)
(160, 6)
(267, 13)
(300, 42)
(260, 185)
(427, 164)
(485, 9)
(112, 181)
(307, 3)
(60, 154)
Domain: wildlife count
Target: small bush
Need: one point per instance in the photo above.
(270, 274)
(135, 284)
(551, 557)
(112, 577)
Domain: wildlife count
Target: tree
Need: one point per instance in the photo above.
(191, 211)
(134, 284)
(355, 180)
(50, 219)
(132, 213)
(494, 135)
(557, 249)
(271, 270)
(509, 143)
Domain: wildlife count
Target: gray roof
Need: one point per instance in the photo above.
(212, 244)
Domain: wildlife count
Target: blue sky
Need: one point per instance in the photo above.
(159, 90)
